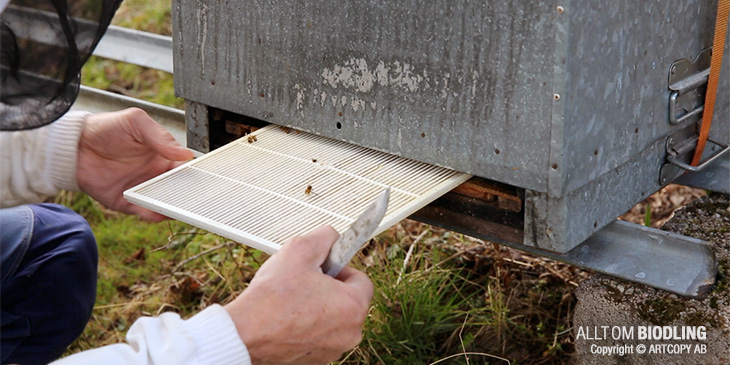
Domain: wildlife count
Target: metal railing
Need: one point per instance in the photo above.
(142, 49)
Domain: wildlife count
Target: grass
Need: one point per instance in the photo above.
(140, 271)
(438, 294)
(131, 80)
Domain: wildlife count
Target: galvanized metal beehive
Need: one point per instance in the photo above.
(567, 100)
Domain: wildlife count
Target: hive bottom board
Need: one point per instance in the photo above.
(277, 183)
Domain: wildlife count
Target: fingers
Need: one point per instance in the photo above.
(156, 137)
(144, 213)
(149, 215)
(312, 248)
(362, 287)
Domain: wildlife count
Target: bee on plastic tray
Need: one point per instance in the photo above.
(308, 190)
(252, 138)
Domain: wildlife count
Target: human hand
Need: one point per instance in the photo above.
(119, 150)
(294, 313)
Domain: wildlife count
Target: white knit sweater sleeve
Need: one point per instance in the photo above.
(209, 337)
(38, 163)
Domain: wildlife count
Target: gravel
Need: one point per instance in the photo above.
(603, 301)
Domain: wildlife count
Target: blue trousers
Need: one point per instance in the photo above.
(48, 288)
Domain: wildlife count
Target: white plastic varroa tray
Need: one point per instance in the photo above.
(276, 183)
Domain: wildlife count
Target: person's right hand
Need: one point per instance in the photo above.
(294, 313)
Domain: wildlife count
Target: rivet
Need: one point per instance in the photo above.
(560, 9)
(674, 69)
(556, 96)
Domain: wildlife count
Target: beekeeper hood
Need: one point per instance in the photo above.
(44, 44)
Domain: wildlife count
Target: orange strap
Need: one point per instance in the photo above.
(718, 46)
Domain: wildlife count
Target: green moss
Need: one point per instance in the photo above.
(616, 295)
(713, 302)
(718, 206)
(662, 311)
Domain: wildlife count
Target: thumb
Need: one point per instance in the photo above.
(310, 249)
(156, 137)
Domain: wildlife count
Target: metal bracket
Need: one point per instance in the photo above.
(628, 251)
(688, 80)
(714, 178)
(664, 260)
(672, 155)
(660, 259)
(680, 147)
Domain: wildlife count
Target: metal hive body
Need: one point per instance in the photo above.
(569, 104)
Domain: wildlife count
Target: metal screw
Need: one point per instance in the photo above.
(556, 96)
(560, 9)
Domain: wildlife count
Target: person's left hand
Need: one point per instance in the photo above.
(119, 150)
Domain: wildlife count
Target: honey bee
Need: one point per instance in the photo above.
(308, 190)
(285, 129)
(252, 139)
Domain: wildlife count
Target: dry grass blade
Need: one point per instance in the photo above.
(408, 256)
(473, 354)
(461, 339)
(201, 254)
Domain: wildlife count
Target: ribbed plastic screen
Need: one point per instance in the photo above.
(277, 183)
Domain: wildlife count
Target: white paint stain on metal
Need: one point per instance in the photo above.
(300, 96)
(357, 104)
(475, 78)
(382, 74)
(323, 98)
(202, 33)
(444, 89)
(355, 74)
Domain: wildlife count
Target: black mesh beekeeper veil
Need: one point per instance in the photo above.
(44, 44)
